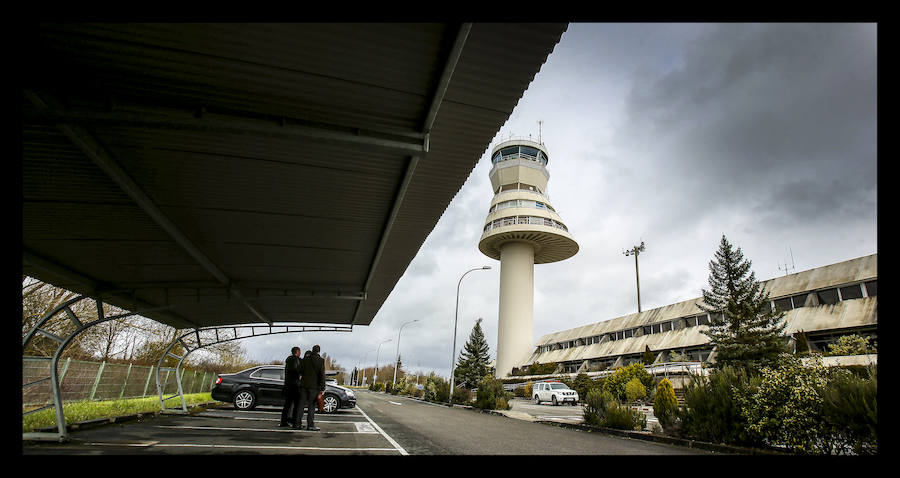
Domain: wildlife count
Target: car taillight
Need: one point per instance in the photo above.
(218, 380)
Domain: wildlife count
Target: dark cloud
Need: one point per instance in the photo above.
(673, 134)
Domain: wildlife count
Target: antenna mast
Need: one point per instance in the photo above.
(539, 131)
(786, 268)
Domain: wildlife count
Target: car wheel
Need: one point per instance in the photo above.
(553, 399)
(332, 403)
(537, 401)
(244, 400)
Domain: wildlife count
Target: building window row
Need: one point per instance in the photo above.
(519, 187)
(520, 152)
(829, 296)
(520, 203)
(532, 220)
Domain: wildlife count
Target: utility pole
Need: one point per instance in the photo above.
(635, 251)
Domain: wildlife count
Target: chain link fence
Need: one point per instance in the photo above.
(84, 380)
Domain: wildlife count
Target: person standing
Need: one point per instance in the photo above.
(312, 383)
(293, 367)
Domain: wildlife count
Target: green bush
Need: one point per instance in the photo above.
(850, 409)
(624, 418)
(634, 390)
(596, 403)
(615, 383)
(711, 412)
(462, 395)
(542, 369)
(437, 389)
(582, 384)
(788, 408)
(665, 404)
(491, 395)
(851, 345)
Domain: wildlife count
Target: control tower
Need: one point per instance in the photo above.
(522, 229)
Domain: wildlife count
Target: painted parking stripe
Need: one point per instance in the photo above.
(385, 435)
(249, 447)
(239, 429)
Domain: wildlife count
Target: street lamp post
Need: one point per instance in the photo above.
(375, 375)
(397, 363)
(362, 373)
(635, 251)
(455, 320)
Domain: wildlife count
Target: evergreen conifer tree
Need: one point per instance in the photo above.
(744, 328)
(474, 361)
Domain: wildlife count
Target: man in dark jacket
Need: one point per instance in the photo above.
(311, 384)
(293, 367)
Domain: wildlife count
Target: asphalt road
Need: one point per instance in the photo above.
(431, 429)
(380, 425)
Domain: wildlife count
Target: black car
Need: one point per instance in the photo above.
(262, 385)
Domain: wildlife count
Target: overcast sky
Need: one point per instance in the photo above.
(670, 134)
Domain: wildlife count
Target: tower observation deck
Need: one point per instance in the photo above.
(521, 229)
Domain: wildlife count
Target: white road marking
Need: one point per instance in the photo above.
(250, 447)
(365, 427)
(385, 435)
(395, 403)
(238, 429)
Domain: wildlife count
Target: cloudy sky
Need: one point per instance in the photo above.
(670, 134)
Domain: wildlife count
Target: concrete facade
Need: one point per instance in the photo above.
(521, 229)
(824, 303)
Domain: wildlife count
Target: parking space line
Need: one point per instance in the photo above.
(385, 435)
(277, 430)
(249, 447)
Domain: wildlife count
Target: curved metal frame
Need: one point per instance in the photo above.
(80, 326)
(62, 434)
(191, 342)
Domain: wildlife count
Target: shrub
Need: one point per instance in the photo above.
(710, 411)
(582, 384)
(615, 383)
(462, 395)
(787, 407)
(528, 389)
(437, 389)
(624, 418)
(491, 395)
(596, 402)
(851, 345)
(850, 409)
(519, 392)
(388, 387)
(634, 390)
(665, 405)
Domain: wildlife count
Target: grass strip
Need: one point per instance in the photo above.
(86, 410)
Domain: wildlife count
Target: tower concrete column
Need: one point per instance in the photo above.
(521, 229)
(516, 314)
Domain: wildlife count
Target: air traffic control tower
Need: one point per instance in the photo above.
(522, 229)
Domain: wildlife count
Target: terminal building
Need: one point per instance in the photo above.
(823, 303)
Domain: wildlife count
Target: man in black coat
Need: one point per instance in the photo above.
(293, 367)
(311, 384)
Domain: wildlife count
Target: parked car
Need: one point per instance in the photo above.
(261, 385)
(554, 392)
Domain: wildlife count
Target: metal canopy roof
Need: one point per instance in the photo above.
(227, 174)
